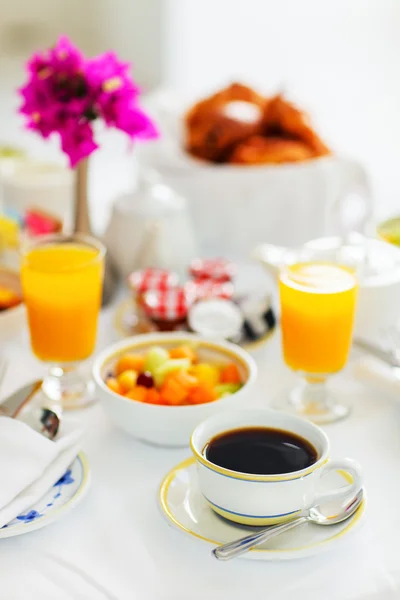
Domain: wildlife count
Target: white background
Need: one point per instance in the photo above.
(339, 59)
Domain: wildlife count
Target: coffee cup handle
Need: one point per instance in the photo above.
(352, 473)
(354, 181)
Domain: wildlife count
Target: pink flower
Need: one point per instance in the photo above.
(133, 121)
(65, 57)
(65, 93)
(107, 66)
(54, 87)
(36, 94)
(77, 142)
(116, 96)
(110, 85)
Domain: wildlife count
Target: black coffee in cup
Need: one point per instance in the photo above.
(260, 451)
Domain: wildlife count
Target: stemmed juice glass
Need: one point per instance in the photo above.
(62, 277)
(318, 297)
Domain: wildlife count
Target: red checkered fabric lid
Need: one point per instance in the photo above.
(209, 288)
(212, 268)
(152, 279)
(168, 305)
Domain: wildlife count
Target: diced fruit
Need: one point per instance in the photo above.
(113, 384)
(127, 380)
(183, 352)
(183, 378)
(138, 393)
(225, 389)
(153, 397)
(173, 378)
(129, 362)
(173, 364)
(172, 392)
(206, 373)
(230, 374)
(201, 394)
(155, 357)
(145, 379)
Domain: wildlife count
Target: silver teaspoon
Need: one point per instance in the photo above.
(43, 419)
(313, 515)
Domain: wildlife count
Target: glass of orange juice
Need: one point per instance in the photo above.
(318, 302)
(62, 278)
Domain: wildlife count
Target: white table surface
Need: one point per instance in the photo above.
(117, 545)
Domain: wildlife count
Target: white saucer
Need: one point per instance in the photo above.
(66, 493)
(183, 504)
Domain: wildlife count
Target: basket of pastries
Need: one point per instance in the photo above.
(254, 168)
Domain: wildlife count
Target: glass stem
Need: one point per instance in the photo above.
(311, 395)
(64, 385)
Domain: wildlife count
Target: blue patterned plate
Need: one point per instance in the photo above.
(64, 495)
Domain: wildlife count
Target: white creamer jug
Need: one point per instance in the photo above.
(150, 227)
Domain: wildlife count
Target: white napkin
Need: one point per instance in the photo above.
(30, 464)
(378, 374)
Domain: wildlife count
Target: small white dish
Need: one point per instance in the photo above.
(216, 319)
(69, 490)
(185, 508)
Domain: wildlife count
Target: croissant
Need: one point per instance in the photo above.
(215, 125)
(259, 150)
(281, 117)
(239, 126)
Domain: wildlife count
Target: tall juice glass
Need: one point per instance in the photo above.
(318, 302)
(62, 280)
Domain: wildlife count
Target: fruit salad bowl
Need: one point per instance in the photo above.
(159, 386)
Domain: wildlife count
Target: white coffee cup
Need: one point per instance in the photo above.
(268, 499)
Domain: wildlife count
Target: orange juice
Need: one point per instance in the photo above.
(62, 285)
(318, 303)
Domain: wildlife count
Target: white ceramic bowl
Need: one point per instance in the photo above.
(12, 320)
(169, 425)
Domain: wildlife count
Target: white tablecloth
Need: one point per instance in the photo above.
(116, 544)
